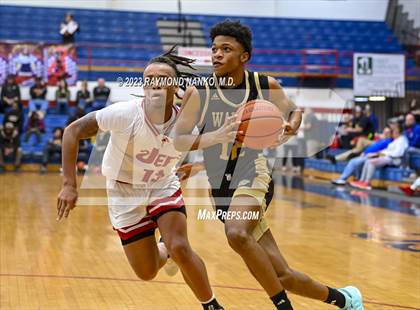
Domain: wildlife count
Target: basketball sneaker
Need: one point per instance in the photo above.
(171, 268)
(406, 189)
(353, 298)
(339, 182)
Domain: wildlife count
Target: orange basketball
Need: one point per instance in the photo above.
(261, 124)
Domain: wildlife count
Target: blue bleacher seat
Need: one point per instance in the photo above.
(114, 27)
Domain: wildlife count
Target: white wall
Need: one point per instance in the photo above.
(317, 99)
(412, 7)
(373, 10)
(117, 93)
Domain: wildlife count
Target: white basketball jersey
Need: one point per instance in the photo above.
(138, 151)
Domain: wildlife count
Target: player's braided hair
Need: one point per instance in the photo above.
(173, 60)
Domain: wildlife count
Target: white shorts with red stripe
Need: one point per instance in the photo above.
(133, 211)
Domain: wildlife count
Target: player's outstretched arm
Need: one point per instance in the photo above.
(187, 120)
(292, 114)
(82, 128)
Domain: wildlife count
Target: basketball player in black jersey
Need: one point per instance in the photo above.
(239, 176)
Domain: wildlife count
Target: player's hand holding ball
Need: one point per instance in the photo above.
(228, 131)
(289, 131)
(262, 125)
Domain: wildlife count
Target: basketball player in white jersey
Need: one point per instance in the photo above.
(143, 190)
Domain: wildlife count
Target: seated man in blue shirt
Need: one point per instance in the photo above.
(355, 165)
(412, 132)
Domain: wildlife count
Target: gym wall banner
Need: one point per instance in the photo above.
(28, 60)
(379, 75)
(202, 55)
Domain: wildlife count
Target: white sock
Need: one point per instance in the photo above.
(163, 251)
(206, 302)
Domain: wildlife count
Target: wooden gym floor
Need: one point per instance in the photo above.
(79, 263)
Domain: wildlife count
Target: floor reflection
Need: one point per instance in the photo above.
(375, 198)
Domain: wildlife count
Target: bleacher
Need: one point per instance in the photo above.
(123, 39)
(32, 151)
(391, 174)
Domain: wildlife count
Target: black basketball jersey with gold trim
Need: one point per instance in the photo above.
(231, 163)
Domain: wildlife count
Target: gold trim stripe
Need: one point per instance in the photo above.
(225, 100)
(206, 105)
(258, 85)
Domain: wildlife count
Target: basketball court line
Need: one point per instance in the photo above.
(173, 283)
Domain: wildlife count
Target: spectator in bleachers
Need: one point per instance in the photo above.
(372, 117)
(10, 146)
(100, 95)
(38, 93)
(412, 132)
(10, 93)
(310, 132)
(83, 98)
(15, 116)
(101, 142)
(413, 189)
(342, 127)
(355, 165)
(62, 97)
(76, 115)
(68, 28)
(415, 109)
(85, 145)
(361, 144)
(56, 72)
(53, 147)
(291, 149)
(391, 156)
(361, 127)
(35, 126)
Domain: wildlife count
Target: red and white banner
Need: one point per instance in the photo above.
(60, 62)
(26, 61)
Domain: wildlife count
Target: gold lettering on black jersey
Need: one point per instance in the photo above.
(217, 118)
(224, 155)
